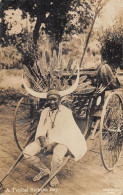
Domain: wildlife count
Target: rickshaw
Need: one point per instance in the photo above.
(103, 116)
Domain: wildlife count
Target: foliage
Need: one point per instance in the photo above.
(58, 19)
(111, 49)
(70, 16)
(10, 57)
(79, 17)
(9, 94)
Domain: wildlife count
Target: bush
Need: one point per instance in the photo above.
(10, 57)
(111, 49)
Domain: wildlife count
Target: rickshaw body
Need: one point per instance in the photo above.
(102, 114)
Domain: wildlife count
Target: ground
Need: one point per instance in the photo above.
(85, 177)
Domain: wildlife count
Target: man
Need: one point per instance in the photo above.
(57, 132)
(104, 77)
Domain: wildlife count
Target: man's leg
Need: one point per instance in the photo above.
(30, 154)
(58, 154)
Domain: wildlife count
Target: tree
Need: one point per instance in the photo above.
(56, 18)
(56, 15)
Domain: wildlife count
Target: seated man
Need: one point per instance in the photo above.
(104, 77)
(57, 132)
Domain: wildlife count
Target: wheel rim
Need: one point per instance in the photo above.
(24, 123)
(111, 133)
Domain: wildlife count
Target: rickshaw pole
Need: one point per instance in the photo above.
(12, 167)
(16, 162)
(89, 34)
(87, 40)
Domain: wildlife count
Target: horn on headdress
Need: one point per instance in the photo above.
(44, 95)
(32, 92)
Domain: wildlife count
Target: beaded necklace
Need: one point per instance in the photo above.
(50, 115)
(53, 121)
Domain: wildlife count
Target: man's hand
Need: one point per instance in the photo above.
(42, 141)
(49, 147)
(100, 89)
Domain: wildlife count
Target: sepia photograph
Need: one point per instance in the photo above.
(61, 97)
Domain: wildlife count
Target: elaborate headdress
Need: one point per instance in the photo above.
(47, 74)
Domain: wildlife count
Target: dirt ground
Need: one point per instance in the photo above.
(85, 177)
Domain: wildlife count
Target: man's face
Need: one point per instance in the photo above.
(53, 101)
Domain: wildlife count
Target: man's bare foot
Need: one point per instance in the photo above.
(54, 182)
(41, 174)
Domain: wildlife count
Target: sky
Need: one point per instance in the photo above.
(107, 16)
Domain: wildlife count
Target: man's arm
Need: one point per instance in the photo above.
(41, 130)
(42, 141)
(46, 147)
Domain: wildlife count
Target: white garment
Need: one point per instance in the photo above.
(65, 130)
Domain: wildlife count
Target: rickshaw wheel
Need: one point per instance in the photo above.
(24, 122)
(111, 131)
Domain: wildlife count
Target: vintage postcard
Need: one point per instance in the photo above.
(61, 97)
